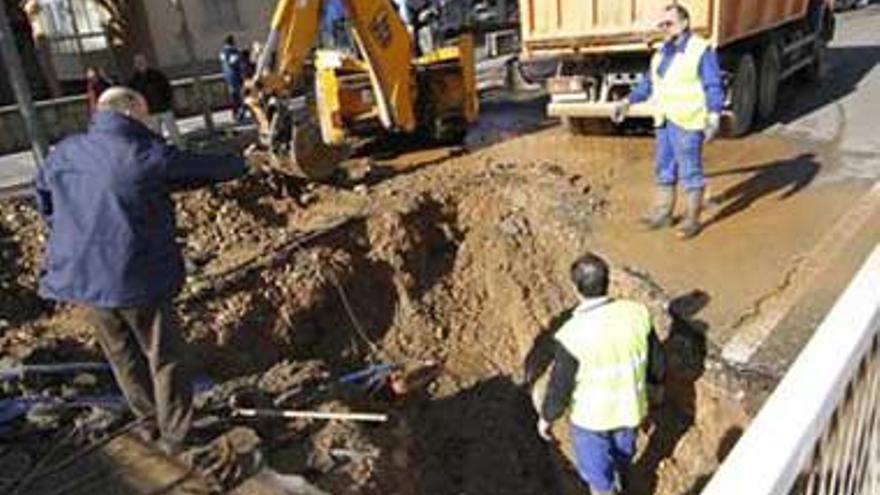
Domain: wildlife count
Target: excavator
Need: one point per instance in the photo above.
(313, 104)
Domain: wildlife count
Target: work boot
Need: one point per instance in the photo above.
(691, 225)
(660, 215)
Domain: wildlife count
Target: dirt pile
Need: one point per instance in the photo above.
(463, 266)
(21, 238)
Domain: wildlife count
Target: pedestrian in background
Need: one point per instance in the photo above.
(112, 249)
(684, 85)
(156, 88)
(607, 354)
(96, 83)
(232, 64)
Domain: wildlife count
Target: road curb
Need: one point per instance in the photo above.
(797, 282)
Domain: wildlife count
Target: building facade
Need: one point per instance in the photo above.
(209, 21)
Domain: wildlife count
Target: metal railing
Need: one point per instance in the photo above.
(819, 432)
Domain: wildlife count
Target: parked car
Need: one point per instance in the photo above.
(485, 14)
(850, 4)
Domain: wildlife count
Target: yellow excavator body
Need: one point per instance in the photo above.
(378, 86)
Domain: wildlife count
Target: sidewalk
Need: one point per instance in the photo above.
(18, 169)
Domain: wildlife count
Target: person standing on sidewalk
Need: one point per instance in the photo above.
(232, 64)
(684, 85)
(156, 88)
(112, 249)
(606, 356)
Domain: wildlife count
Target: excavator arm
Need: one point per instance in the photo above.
(387, 47)
(383, 40)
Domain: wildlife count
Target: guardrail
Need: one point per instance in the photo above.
(819, 432)
(63, 116)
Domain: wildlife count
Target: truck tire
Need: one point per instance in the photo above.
(822, 25)
(517, 80)
(771, 73)
(745, 95)
(449, 132)
(817, 68)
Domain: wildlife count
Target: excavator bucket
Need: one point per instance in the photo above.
(312, 158)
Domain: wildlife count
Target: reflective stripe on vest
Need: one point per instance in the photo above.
(610, 344)
(679, 95)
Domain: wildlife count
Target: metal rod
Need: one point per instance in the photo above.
(50, 369)
(18, 81)
(796, 67)
(806, 40)
(77, 38)
(291, 414)
(91, 448)
(25, 479)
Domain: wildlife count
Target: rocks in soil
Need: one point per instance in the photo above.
(463, 265)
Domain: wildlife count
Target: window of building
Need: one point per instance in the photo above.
(74, 25)
(221, 15)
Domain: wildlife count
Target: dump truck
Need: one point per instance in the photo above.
(601, 49)
(313, 102)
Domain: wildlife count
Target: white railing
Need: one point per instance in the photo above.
(819, 432)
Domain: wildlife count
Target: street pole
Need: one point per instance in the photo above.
(80, 48)
(18, 81)
(188, 44)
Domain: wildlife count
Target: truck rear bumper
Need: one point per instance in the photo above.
(588, 109)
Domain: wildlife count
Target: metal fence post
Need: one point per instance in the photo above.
(18, 81)
(189, 45)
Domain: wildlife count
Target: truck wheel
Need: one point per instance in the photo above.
(771, 72)
(816, 70)
(518, 80)
(449, 131)
(745, 95)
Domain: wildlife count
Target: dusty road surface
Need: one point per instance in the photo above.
(796, 212)
(451, 263)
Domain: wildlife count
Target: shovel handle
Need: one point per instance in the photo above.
(291, 414)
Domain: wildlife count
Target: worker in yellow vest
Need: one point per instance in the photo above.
(606, 356)
(684, 85)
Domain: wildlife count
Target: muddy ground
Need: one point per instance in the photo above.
(454, 261)
(449, 260)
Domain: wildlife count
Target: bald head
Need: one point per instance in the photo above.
(125, 101)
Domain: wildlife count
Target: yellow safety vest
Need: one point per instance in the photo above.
(678, 95)
(610, 343)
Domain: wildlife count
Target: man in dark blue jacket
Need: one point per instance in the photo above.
(111, 249)
(231, 65)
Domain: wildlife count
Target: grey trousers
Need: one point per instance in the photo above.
(147, 354)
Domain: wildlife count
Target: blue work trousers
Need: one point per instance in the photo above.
(679, 157)
(600, 455)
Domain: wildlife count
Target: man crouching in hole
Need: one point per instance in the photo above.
(111, 249)
(606, 357)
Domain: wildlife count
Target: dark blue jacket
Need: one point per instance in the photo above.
(106, 198)
(231, 65)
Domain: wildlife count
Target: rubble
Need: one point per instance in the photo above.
(457, 274)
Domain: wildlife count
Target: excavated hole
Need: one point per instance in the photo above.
(476, 285)
(471, 275)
